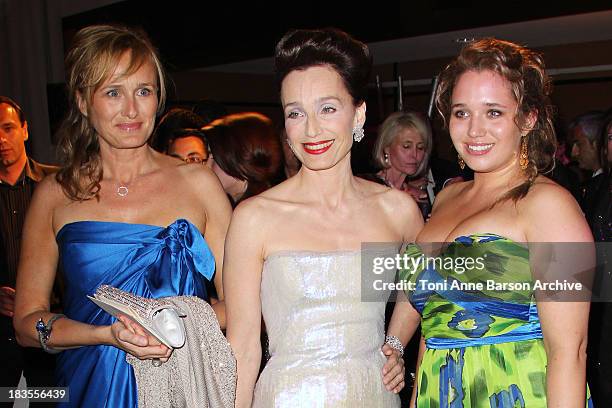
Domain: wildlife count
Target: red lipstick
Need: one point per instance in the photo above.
(318, 147)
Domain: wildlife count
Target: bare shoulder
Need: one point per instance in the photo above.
(397, 207)
(49, 202)
(197, 179)
(196, 174)
(396, 201)
(377, 194)
(254, 217)
(548, 198)
(254, 208)
(174, 171)
(283, 191)
(272, 203)
(371, 188)
(271, 210)
(49, 191)
(549, 213)
(451, 191)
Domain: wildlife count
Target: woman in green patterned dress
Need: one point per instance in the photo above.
(496, 346)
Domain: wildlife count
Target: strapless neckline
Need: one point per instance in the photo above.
(126, 224)
(284, 253)
(289, 253)
(470, 240)
(482, 237)
(147, 260)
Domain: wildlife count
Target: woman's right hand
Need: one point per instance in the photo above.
(130, 337)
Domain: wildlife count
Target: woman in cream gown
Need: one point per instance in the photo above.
(294, 252)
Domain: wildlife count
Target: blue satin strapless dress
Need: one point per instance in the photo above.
(146, 260)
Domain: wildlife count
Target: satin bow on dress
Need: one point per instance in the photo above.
(146, 260)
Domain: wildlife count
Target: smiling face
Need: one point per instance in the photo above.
(122, 109)
(319, 116)
(407, 151)
(482, 122)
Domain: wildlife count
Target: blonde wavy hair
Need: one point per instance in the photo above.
(91, 60)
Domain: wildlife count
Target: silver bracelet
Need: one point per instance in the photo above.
(395, 344)
(44, 332)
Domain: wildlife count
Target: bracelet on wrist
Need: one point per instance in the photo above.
(395, 344)
(44, 332)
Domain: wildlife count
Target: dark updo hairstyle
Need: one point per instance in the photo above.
(302, 49)
(245, 146)
(531, 88)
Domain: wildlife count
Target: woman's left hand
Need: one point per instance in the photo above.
(132, 338)
(393, 371)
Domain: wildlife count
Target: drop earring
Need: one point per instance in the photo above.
(358, 134)
(461, 162)
(524, 157)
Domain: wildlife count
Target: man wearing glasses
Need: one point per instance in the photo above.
(189, 145)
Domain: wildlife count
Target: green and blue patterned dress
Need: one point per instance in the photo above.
(484, 345)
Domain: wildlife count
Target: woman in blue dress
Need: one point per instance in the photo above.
(117, 213)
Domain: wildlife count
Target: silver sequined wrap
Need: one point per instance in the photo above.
(202, 373)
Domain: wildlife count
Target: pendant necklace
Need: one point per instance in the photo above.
(122, 191)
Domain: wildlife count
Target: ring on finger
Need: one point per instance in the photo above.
(156, 362)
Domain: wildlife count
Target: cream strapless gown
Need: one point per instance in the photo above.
(325, 342)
